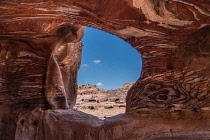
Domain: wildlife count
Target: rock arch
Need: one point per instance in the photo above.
(173, 90)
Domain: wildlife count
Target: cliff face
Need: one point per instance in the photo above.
(40, 53)
(96, 101)
(120, 93)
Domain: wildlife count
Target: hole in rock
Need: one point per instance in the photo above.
(35, 123)
(109, 67)
(22, 122)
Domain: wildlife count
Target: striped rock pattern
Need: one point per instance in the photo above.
(40, 53)
(184, 86)
(33, 76)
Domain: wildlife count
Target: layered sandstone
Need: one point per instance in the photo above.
(40, 51)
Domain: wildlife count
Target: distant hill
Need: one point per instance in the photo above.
(96, 101)
(88, 89)
(120, 92)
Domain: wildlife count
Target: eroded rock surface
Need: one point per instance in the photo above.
(96, 101)
(120, 93)
(40, 53)
(76, 125)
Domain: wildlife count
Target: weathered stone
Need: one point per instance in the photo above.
(88, 89)
(119, 94)
(70, 124)
(36, 72)
(96, 101)
(177, 125)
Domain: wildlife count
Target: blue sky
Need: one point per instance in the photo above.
(107, 61)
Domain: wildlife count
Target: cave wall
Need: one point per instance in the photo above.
(40, 52)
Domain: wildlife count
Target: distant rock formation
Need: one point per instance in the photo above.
(96, 101)
(88, 89)
(87, 93)
(120, 93)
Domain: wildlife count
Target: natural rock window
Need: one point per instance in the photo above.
(40, 51)
(108, 69)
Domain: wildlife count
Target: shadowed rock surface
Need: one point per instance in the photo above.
(40, 52)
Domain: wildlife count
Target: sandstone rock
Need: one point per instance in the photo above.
(96, 99)
(178, 126)
(108, 106)
(88, 89)
(66, 124)
(37, 73)
(119, 93)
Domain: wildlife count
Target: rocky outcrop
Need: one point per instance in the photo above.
(88, 90)
(96, 101)
(40, 53)
(120, 93)
(87, 93)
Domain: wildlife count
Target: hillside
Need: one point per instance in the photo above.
(95, 101)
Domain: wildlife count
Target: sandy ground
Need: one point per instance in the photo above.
(102, 113)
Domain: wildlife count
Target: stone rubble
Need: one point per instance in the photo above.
(96, 101)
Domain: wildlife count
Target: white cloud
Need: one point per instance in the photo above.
(96, 61)
(85, 65)
(99, 84)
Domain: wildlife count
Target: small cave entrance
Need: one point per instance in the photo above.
(109, 67)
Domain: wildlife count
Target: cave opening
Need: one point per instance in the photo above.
(109, 67)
